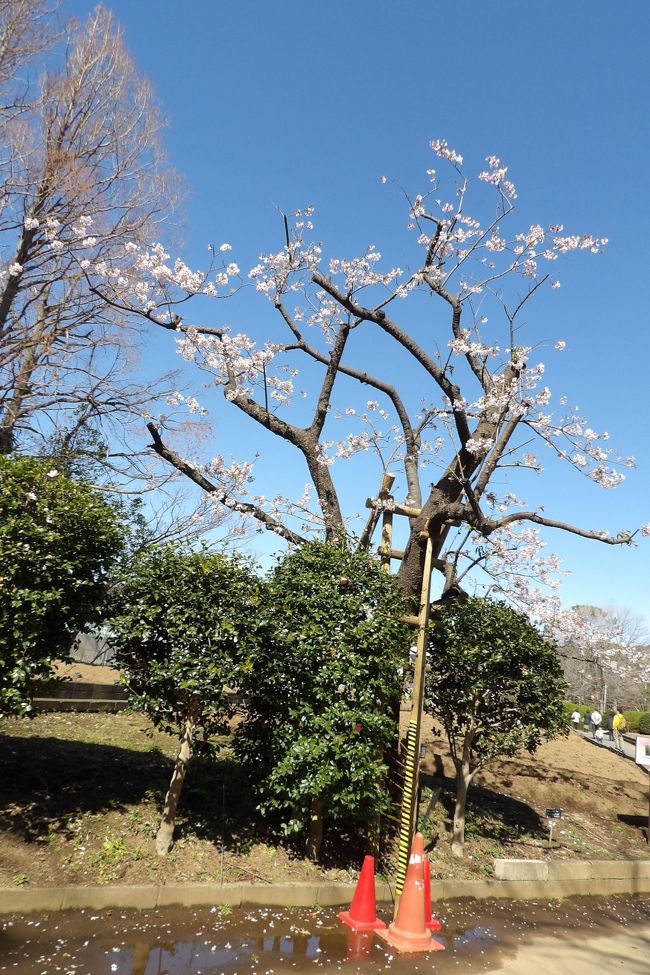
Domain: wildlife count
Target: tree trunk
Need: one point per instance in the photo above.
(437, 514)
(165, 834)
(431, 521)
(463, 780)
(315, 838)
(14, 409)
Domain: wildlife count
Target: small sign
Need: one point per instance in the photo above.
(642, 756)
(555, 813)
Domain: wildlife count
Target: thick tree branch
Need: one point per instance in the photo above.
(241, 507)
(489, 526)
(380, 318)
(495, 455)
(325, 394)
(411, 437)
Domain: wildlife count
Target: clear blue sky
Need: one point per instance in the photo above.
(285, 104)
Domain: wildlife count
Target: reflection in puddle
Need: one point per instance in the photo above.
(478, 936)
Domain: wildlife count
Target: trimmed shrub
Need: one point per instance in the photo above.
(632, 718)
(644, 723)
(58, 541)
(322, 691)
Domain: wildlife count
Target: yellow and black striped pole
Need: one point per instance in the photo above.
(405, 825)
(408, 811)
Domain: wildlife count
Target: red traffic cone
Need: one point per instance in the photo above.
(430, 923)
(408, 931)
(362, 915)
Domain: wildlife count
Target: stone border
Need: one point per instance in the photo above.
(514, 880)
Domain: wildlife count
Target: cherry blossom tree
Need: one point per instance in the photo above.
(437, 342)
(605, 653)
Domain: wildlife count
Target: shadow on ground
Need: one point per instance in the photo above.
(640, 822)
(47, 783)
(490, 815)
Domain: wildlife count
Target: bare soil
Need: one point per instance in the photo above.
(86, 673)
(81, 794)
(604, 799)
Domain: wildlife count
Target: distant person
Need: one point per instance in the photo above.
(609, 725)
(619, 724)
(587, 722)
(598, 734)
(575, 720)
(596, 721)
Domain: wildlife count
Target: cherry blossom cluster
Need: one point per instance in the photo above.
(360, 272)
(514, 566)
(601, 641)
(190, 402)
(496, 175)
(235, 476)
(73, 239)
(236, 363)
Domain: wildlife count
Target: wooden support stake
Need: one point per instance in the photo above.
(386, 540)
(411, 620)
(396, 508)
(396, 553)
(384, 493)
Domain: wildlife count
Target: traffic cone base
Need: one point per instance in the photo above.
(400, 942)
(362, 915)
(356, 925)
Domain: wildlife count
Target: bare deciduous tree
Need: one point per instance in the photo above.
(84, 180)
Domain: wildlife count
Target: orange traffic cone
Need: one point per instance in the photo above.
(362, 915)
(408, 931)
(430, 923)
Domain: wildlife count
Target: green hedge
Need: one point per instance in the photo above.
(570, 707)
(633, 718)
(644, 723)
(636, 720)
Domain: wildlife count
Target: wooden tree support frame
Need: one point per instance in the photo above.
(408, 812)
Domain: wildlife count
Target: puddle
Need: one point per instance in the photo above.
(478, 937)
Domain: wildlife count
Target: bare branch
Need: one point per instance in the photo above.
(240, 507)
(411, 437)
(486, 527)
(380, 318)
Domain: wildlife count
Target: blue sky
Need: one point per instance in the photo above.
(279, 105)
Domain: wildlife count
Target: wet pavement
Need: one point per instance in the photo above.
(479, 936)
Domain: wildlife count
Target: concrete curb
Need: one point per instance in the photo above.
(514, 880)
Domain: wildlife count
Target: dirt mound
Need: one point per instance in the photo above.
(604, 798)
(86, 673)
